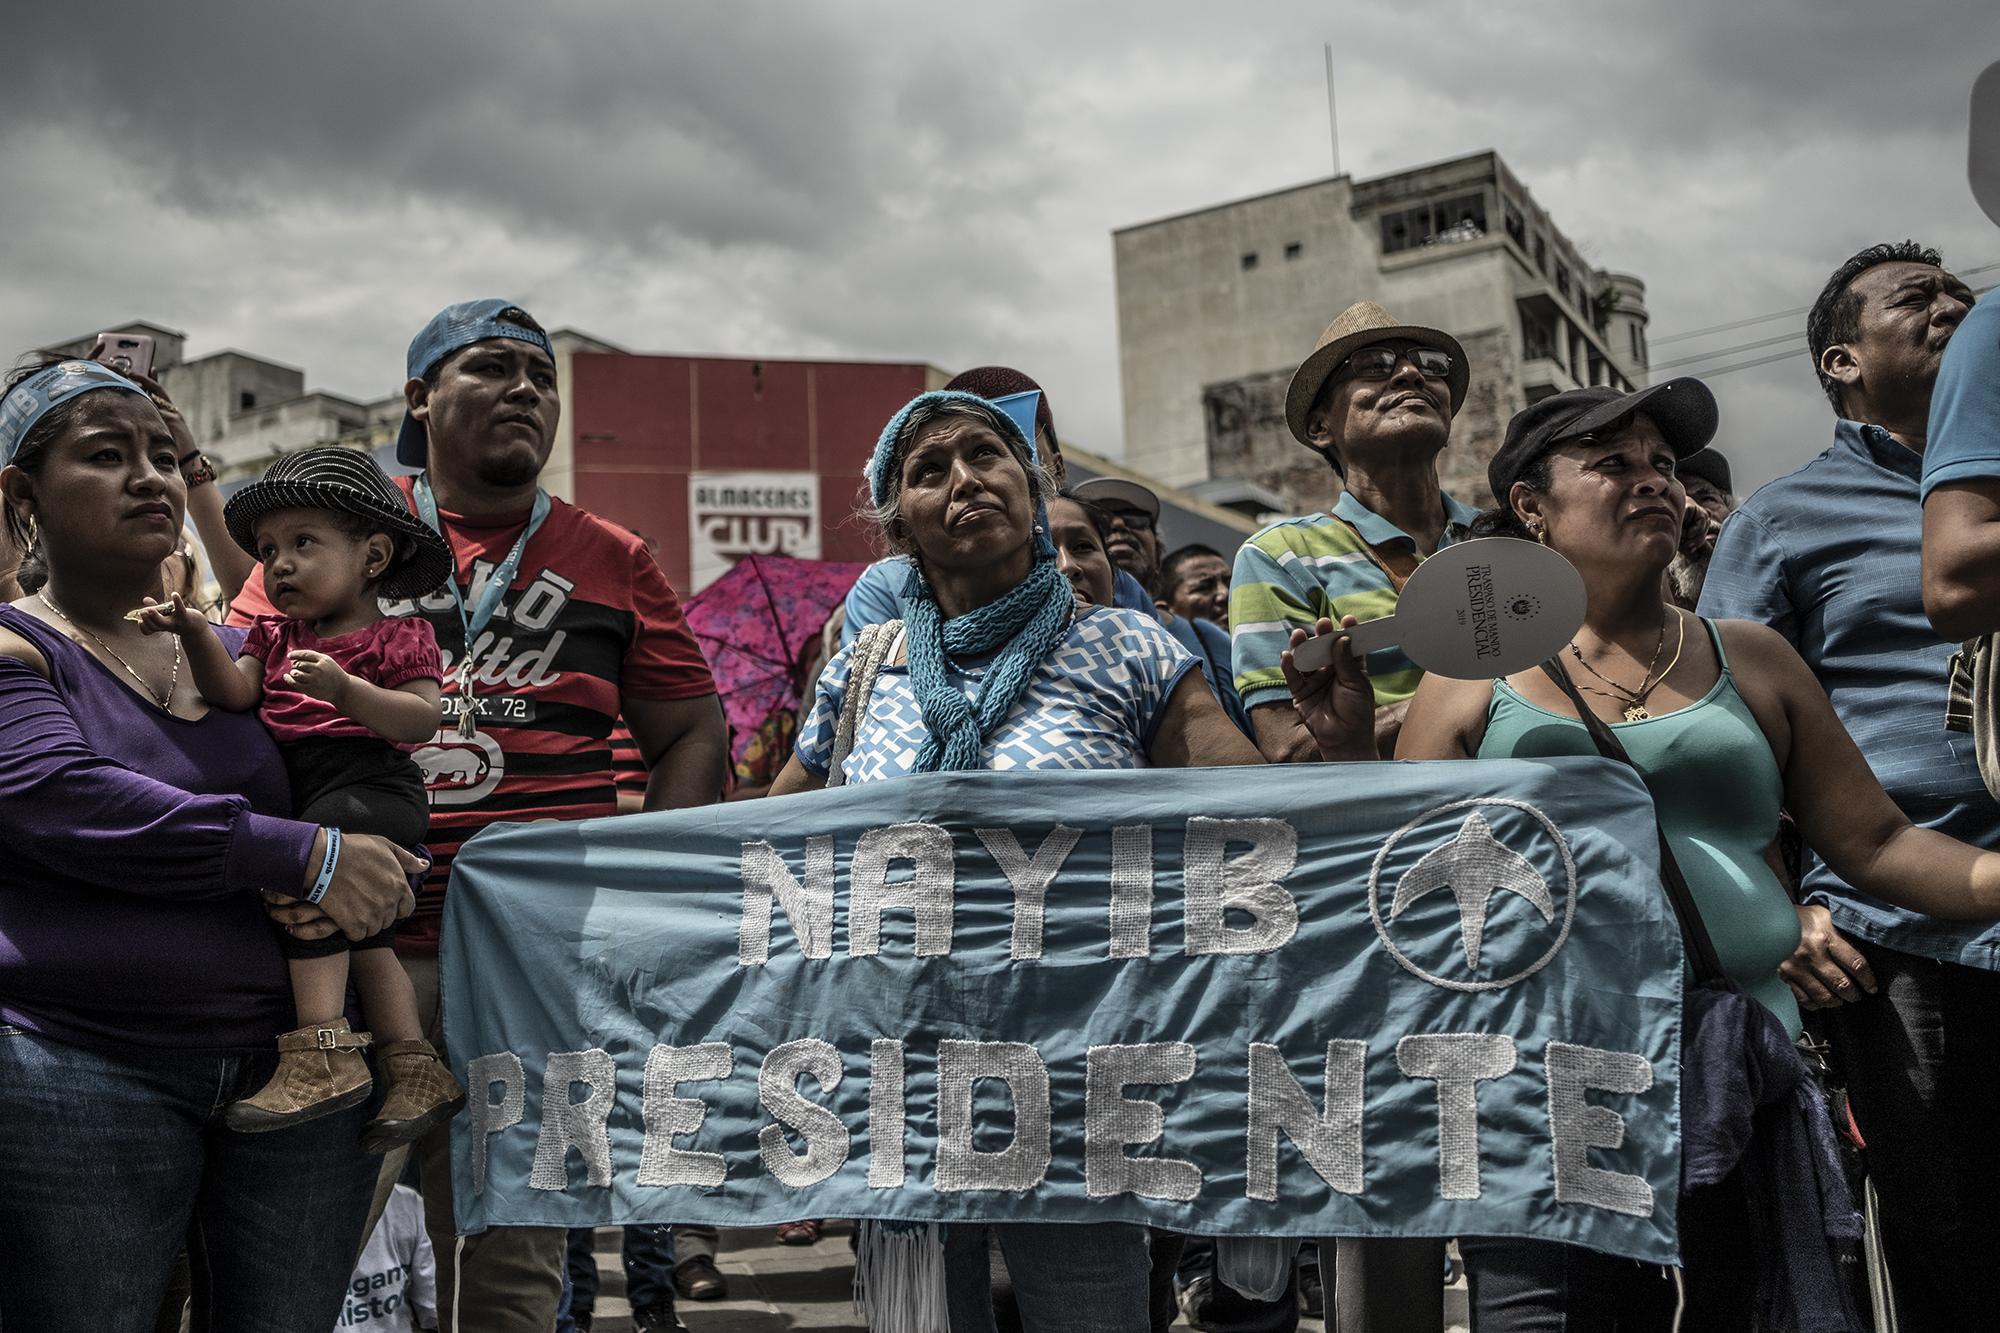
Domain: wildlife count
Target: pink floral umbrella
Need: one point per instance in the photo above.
(755, 623)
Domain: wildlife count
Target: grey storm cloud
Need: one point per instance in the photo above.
(889, 180)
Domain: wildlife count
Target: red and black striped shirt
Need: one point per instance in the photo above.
(589, 619)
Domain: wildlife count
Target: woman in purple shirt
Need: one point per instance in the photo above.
(140, 832)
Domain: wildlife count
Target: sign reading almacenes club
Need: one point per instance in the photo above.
(1423, 999)
(734, 514)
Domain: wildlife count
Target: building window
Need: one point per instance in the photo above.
(1541, 249)
(1461, 219)
(1249, 261)
(1293, 249)
(1517, 226)
(1638, 349)
(245, 401)
(1562, 277)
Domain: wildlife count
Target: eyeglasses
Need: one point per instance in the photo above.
(1137, 520)
(1379, 363)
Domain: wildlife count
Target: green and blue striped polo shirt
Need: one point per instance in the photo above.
(1299, 569)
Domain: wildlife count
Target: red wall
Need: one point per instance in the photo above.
(641, 424)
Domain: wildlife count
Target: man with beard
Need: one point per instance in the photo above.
(1709, 501)
(579, 627)
(1830, 557)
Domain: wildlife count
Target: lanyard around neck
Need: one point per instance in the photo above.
(503, 574)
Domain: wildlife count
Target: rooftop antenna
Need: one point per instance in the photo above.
(1332, 122)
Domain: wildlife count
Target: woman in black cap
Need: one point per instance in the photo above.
(345, 690)
(1726, 725)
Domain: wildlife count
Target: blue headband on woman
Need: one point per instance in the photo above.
(30, 400)
(1016, 412)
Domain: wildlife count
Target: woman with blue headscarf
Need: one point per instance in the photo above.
(997, 665)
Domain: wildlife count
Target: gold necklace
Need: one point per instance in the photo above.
(164, 701)
(1635, 701)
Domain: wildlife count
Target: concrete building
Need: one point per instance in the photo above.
(708, 458)
(1217, 307)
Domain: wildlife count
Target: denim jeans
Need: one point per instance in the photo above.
(648, 1254)
(1922, 1062)
(111, 1163)
(1088, 1278)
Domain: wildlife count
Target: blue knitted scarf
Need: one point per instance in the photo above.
(1023, 627)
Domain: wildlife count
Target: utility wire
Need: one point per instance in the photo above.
(1797, 337)
(1780, 314)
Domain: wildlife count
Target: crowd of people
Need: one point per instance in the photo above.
(208, 830)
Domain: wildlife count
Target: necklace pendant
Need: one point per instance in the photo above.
(1636, 713)
(467, 726)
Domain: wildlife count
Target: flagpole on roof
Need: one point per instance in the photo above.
(1332, 123)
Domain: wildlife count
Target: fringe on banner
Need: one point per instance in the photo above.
(899, 1276)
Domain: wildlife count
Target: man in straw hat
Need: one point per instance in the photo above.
(1375, 400)
(579, 628)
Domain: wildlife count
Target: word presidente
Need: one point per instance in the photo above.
(1329, 1138)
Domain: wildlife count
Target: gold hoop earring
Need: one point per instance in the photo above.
(1541, 534)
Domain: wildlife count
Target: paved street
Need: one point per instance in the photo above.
(775, 1287)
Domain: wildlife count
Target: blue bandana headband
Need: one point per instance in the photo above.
(30, 400)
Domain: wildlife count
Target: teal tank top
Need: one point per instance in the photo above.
(1718, 792)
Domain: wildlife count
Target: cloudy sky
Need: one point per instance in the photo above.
(311, 181)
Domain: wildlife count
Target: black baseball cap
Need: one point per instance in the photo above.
(1682, 409)
(1712, 466)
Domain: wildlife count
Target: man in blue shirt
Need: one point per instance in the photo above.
(1829, 556)
(1961, 486)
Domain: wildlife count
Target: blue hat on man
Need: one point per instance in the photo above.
(451, 328)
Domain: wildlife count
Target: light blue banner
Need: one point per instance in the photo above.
(1354, 999)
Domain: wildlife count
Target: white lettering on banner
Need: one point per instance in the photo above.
(1458, 1062)
(1030, 880)
(486, 1116)
(568, 1124)
(1113, 1122)
(1577, 1126)
(1022, 1164)
(1131, 890)
(808, 906)
(736, 514)
(1251, 882)
(1330, 1142)
(827, 1140)
(887, 1125)
(668, 1116)
(928, 892)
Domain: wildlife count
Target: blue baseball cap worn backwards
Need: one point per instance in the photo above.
(452, 328)
(30, 400)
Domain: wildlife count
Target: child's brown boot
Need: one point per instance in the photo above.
(422, 1095)
(320, 1071)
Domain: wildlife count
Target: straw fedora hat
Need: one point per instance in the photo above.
(1360, 324)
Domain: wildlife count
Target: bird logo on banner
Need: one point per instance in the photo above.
(1474, 865)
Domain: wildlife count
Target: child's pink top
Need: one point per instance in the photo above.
(393, 651)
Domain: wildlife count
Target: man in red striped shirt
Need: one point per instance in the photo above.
(584, 629)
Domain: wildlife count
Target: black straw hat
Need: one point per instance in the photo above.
(1683, 410)
(353, 483)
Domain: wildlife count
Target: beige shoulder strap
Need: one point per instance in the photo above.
(872, 647)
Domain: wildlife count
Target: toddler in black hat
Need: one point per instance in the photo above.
(346, 691)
